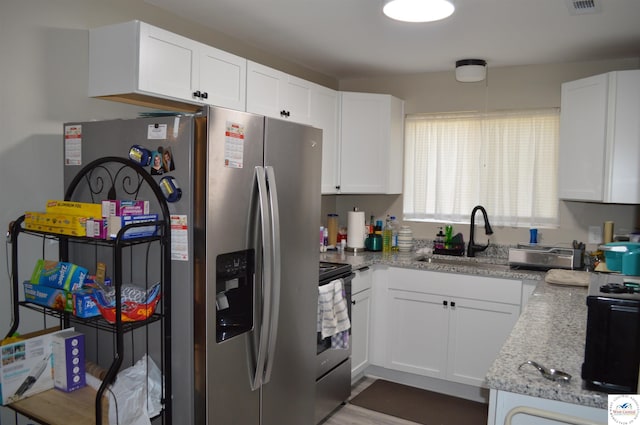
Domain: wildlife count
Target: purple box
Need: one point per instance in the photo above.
(120, 208)
(97, 228)
(68, 360)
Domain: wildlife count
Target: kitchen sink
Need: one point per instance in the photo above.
(462, 262)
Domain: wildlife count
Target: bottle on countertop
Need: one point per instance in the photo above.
(378, 229)
(332, 226)
(439, 242)
(448, 236)
(395, 228)
(386, 235)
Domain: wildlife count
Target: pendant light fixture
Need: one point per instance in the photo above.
(417, 10)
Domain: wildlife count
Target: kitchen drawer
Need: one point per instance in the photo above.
(457, 285)
(362, 280)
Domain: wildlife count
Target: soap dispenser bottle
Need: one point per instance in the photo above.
(439, 242)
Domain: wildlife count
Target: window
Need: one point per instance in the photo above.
(505, 161)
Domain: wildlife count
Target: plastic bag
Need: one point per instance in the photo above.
(131, 402)
(137, 303)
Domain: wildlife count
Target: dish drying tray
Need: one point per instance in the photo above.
(540, 257)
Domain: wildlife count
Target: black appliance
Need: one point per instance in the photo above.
(333, 373)
(612, 346)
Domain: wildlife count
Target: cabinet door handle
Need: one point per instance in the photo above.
(445, 303)
(205, 95)
(453, 303)
(353, 302)
(197, 93)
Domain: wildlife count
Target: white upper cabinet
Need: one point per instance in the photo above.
(276, 94)
(138, 63)
(600, 139)
(325, 115)
(371, 143)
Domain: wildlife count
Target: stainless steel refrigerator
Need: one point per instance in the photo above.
(244, 257)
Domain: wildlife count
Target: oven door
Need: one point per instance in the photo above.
(328, 358)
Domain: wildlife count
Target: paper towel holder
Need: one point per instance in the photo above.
(353, 233)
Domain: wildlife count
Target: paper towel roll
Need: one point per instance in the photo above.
(355, 229)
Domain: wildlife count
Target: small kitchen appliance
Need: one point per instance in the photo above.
(538, 257)
(612, 345)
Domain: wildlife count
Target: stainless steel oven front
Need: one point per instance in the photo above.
(333, 374)
(328, 357)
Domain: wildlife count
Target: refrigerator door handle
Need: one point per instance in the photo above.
(275, 270)
(267, 246)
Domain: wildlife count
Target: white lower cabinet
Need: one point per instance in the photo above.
(360, 320)
(445, 325)
(477, 331)
(416, 332)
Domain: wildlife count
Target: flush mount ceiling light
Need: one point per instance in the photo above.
(417, 10)
(471, 70)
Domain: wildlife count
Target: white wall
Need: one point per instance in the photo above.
(505, 88)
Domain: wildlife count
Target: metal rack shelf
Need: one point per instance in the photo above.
(95, 182)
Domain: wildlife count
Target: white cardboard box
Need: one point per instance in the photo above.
(26, 367)
(68, 360)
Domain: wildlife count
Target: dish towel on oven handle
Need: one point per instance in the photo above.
(333, 316)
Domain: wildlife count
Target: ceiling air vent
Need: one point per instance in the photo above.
(583, 7)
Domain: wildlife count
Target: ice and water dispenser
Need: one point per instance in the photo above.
(234, 293)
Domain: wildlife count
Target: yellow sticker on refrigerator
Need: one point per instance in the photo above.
(234, 145)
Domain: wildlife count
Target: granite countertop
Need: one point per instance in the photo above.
(551, 329)
(477, 266)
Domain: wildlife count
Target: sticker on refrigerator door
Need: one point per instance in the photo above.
(179, 238)
(234, 145)
(157, 132)
(73, 145)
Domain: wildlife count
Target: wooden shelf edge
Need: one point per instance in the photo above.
(56, 407)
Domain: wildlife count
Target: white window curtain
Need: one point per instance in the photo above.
(505, 161)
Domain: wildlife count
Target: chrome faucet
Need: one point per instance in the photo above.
(472, 248)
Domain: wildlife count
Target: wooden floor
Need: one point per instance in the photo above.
(355, 415)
